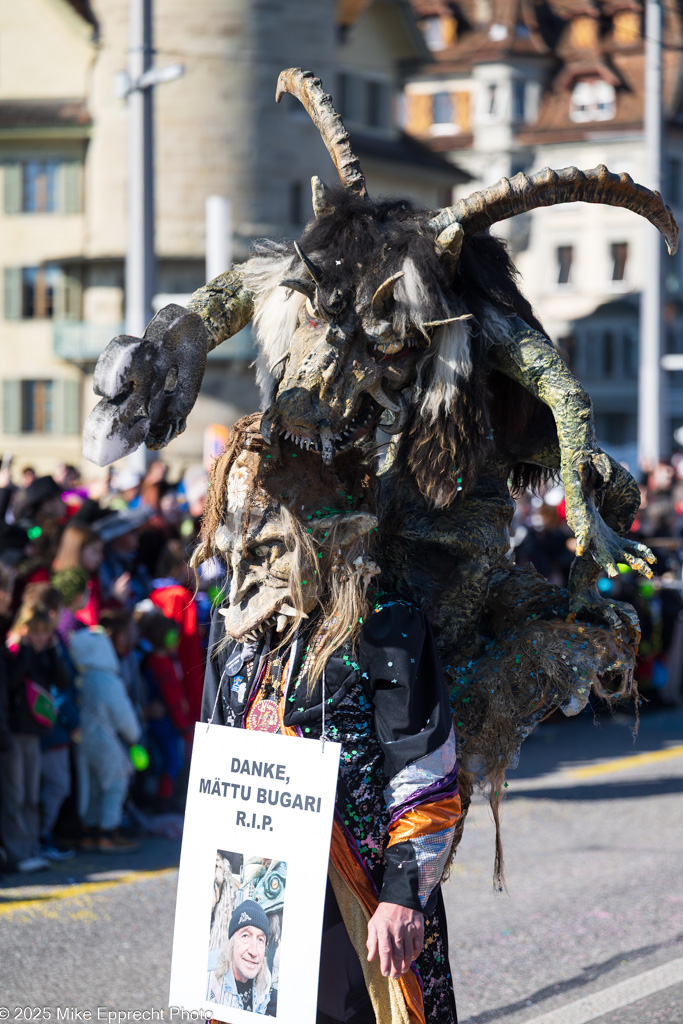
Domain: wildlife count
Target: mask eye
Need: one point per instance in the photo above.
(262, 551)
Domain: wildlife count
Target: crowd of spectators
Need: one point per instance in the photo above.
(540, 536)
(104, 634)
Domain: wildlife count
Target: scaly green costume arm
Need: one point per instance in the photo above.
(591, 481)
(224, 305)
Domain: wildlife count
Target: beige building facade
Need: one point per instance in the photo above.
(218, 131)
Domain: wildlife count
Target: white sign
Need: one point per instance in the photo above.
(253, 868)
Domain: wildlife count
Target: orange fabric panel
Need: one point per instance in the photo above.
(360, 884)
(425, 819)
(348, 866)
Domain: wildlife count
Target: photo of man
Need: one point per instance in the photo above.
(245, 932)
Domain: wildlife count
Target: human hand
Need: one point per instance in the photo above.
(397, 934)
(121, 588)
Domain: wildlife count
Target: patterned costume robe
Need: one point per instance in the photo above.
(397, 801)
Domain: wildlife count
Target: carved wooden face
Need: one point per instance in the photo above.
(252, 541)
(346, 368)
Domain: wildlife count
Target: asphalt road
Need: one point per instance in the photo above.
(589, 930)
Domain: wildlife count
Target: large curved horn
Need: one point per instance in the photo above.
(519, 194)
(380, 299)
(309, 91)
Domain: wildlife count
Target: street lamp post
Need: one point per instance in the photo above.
(652, 415)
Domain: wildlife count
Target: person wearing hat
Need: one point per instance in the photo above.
(242, 978)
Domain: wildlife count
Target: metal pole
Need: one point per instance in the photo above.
(140, 258)
(652, 414)
(218, 235)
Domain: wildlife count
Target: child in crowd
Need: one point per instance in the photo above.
(121, 629)
(171, 593)
(81, 547)
(169, 722)
(73, 585)
(55, 766)
(34, 668)
(107, 718)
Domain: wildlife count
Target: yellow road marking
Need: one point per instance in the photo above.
(43, 901)
(623, 763)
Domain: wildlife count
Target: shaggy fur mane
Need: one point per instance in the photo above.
(461, 411)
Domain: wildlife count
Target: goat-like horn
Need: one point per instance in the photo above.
(519, 194)
(320, 198)
(450, 240)
(400, 419)
(382, 398)
(310, 266)
(384, 293)
(306, 288)
(318, 105)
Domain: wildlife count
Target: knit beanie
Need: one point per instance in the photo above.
(248, 913)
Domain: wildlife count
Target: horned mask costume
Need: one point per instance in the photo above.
(385, 315)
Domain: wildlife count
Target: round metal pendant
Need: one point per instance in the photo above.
(263, 717)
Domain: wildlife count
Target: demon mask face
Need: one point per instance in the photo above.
(272, 521)
(373, 299)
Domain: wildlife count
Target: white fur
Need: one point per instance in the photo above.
(276, 311)
(451, 362)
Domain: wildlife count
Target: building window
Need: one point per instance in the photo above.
(39, 186)
(619, 255)
(433, 33)
(491, 99)
(609, 353)
(564, 255)
(43, 185)
(41, 293)
(38, 286)
(374, 104)
(41, 407)
(592, 101)
(36, 406)
(519, 100)
(443, 108)
(378, 104)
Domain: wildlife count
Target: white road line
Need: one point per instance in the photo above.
(613, 998)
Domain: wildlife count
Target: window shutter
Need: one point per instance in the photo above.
(419, 113)
(67, 302)
(12, 295)
(13, 187)
(11, 406)
(71, 186)
(66, 408)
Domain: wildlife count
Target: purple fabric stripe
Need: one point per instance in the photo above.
(441, 789)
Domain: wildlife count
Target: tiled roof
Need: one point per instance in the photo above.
(43, 114)
(577, 39)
